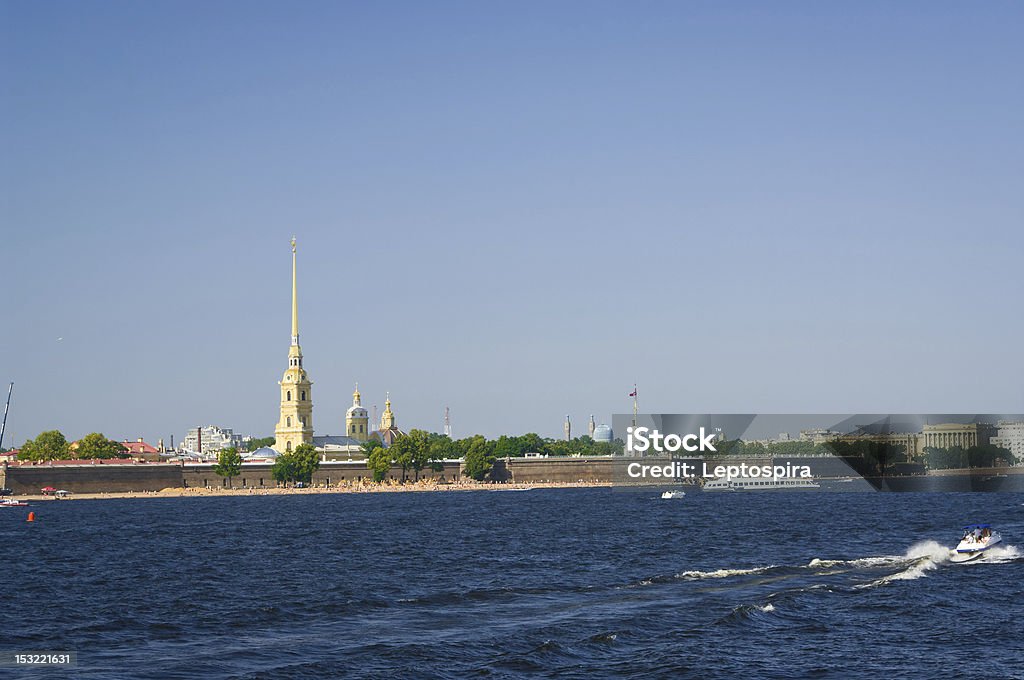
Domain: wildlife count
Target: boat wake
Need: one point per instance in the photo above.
(999, 554)
(917, 562)
(919, 559)
(722, 573)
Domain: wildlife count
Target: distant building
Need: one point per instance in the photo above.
(9, 455)
(339, 447)
(910, 441)
(141, 450)
(213, 439)
(964, 435)
(1010, 435)
(567, 428)
(603, 433)
(818, 435)
(591, 426)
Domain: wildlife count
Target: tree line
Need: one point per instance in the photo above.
(53, 445)
(419, 450)
(982, 455)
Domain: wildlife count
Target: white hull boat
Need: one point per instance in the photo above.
(673, 494)
(976, 540)
(761, 484)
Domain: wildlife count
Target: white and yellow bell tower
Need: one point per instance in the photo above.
(387, 420)
(296, 424)
(357, 420)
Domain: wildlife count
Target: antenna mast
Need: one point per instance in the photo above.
(447, 423)
(6, 408)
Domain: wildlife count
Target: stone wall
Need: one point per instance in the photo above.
(153, 477)
(29, 479)
(558, 470)
(331, 473)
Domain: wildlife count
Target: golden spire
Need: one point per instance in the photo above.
(356, 398)
(295, 301)
(387, 421)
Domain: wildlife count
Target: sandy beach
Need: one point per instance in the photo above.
(421, 486)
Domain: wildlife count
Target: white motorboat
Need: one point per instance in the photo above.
(673, 494)
(12, 503)
(976, 540)
(761, 484)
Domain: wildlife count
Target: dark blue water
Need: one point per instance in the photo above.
(567, 583)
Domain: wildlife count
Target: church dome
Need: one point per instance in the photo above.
(356, 412)
(263, 452)
(602, 433)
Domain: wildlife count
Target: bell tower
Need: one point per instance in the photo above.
(357, 420)
(387, 421)
(296, 424)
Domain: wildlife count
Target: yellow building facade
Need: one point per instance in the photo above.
(357, 420)
(295, 425)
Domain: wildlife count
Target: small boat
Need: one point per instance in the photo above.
(673, 494)
(976, 540)
(12, 503)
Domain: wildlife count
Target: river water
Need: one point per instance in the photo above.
(542, 583)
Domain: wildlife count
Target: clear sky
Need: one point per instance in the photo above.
(514, 209)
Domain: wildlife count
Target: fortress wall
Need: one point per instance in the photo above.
(558, 470)
(331, 473)
(29, 479)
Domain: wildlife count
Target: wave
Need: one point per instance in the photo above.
(722, 573)
(922, 557)
(918, 560)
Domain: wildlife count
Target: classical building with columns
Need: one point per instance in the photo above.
(964, 435)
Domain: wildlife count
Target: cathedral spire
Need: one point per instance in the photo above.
(295, 301)
(295, 426)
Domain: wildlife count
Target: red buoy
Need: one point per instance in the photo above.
(31, 517)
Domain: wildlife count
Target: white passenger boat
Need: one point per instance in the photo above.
(673, 494)
(976, 540)
(12, 503)
(761, 484)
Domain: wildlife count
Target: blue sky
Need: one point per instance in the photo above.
(513, 209)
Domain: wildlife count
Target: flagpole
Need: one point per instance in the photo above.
(635, 408)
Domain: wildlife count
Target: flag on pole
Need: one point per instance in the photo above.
(633, 393)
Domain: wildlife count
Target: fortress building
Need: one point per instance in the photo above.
(296, 424)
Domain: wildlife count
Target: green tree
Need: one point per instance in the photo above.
(479, 458)
(379, 460)
(412, 452)
(49, 445)
(307, 462)
(986, 455)
(259, 443)
(95, 445)
(441, 448)
(531, 442)
(284, 469)
(296, 466)
(229, 463)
